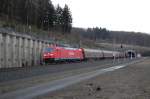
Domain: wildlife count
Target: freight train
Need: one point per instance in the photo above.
(61, 54)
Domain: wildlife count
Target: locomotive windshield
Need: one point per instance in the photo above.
(48, 50)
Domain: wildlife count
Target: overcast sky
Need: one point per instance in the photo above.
(128, 15)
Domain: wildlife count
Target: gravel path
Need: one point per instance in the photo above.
(131, 82)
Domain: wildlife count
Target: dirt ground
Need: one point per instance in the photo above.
(131, 82)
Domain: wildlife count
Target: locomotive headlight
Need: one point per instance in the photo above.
(51, 54)
(80, 49)
(48, 53)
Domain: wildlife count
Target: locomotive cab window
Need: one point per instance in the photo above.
(48, 50)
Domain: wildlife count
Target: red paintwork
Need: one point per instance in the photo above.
(64, 53)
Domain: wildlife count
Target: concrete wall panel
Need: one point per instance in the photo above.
(17, 52)
(26, 52)
(31, 52)
(20, 50)
(13, 52)
(35, 52)
(1, 50)
(8, 51)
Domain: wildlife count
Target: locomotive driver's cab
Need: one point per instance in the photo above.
(48, 54)
(47, 50)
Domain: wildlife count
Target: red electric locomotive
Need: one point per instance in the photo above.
(56, 53)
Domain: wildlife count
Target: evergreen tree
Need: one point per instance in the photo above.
(29, 11)
(49, 16)
(40, 13)
(4, 6)
(37, 12)
(21, 12)
(45, 14)
(67, 19)
(7, 8)
(58, 18)
(1, 6)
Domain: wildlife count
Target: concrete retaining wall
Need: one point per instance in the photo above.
(20, 50)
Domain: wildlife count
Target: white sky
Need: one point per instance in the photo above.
(128, 15)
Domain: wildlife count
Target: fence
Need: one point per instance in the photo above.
(17, 50)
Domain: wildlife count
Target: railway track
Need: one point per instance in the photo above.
(43, 88)
(27, 72)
